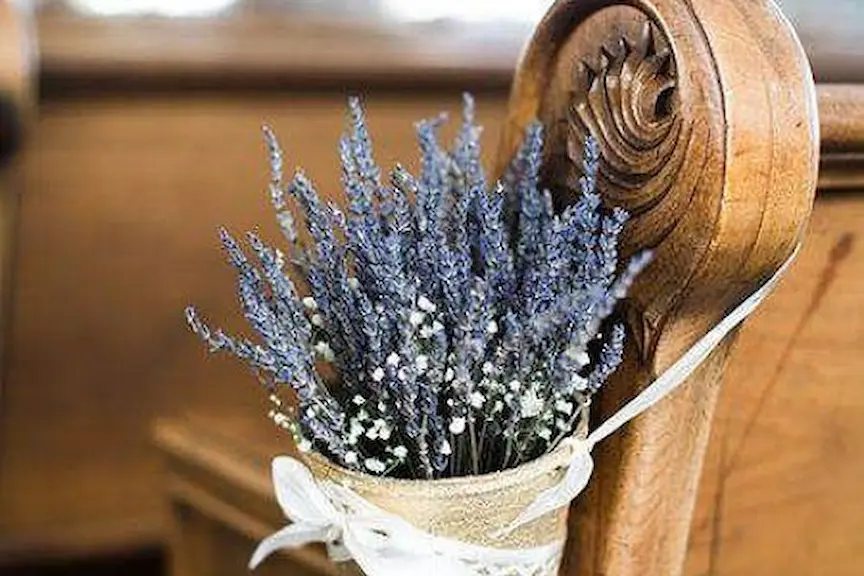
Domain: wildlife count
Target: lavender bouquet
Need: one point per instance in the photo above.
(438, 325)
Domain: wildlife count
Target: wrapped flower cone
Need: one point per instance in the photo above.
(473, 510)
(441, 353)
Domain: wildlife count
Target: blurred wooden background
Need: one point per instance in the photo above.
(148, 138)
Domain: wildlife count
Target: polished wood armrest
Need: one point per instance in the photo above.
(706, 117)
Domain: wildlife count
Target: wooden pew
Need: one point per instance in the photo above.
(706, 118)
(636, 516)
(132, 168)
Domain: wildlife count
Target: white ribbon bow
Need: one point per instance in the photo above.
(351, 527)
(383, 544)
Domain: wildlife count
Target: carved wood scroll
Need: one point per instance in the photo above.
(706, 116)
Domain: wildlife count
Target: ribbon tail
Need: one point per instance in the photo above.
(575, 480)
(292, 536)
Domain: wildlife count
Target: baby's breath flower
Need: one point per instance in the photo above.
(324, 350)
(578, 383)
(374, 465)
(457, 425)
(532, 405)
(425, 304)
(564, 407)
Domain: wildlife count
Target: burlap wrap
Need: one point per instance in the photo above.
(470, 508)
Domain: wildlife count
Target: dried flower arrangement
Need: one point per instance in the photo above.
(466, 326)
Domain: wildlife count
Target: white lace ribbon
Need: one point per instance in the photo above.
(383, 544)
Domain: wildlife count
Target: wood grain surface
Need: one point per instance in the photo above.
(841, 117)
(782, 481)
(17, 103)
(218, 491)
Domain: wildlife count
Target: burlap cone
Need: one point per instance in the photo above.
(468, 508)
